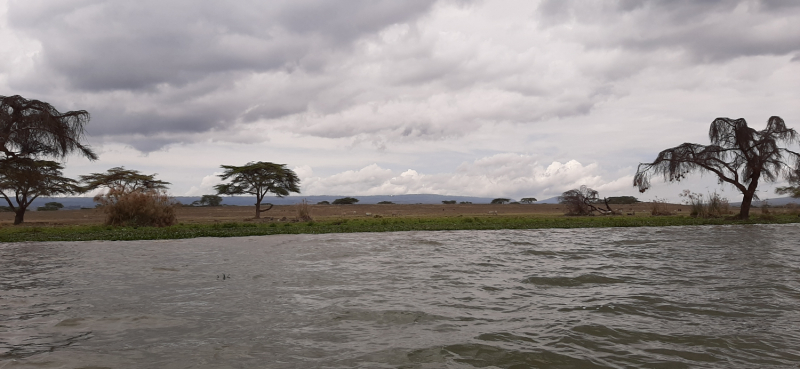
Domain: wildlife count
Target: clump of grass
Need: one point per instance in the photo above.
(715, 207)
(150, 207)
(304, 211)
(658, 207)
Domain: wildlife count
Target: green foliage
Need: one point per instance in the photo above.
(449, 202)
(324, 202)
(385, 203)
(500, 200)
(528, 200)
(622, 200)
(465, 202)
(83, 233)
(208, 200)
(345, 201)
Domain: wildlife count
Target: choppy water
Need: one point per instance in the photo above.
(693, 297)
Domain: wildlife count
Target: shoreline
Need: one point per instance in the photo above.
(78, 232)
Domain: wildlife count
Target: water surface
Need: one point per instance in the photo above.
(676, 297)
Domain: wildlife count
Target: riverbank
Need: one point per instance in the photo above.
(361, 224)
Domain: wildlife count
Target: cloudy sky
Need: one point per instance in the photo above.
(455, 97)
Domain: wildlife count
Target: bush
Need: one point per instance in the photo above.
(449, 202)
(150, 207)
(345, 201)
(500, 201)
(385, 203)
(324, 202)
(659, 207)
(714, 207)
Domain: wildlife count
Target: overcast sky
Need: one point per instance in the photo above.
(361, 97)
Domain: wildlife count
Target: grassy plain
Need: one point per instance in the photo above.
(231, 221)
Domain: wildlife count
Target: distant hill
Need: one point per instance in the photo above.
(778, 201)
(86, 202)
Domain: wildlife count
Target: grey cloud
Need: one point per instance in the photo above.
(709, 31)
(101, 45)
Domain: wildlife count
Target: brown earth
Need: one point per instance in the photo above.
(221, 214)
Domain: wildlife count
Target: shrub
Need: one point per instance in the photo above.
(449, 202)
(659, 207)
(151, 207)
(304, 211)
(500, 200)
(324, 202)
(385, 203)
(714, 207)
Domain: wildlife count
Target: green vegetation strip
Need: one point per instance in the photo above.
(87, 233)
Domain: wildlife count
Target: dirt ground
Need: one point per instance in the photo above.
(222, 214)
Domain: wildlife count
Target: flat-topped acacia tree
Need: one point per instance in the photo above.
(738, 155)
(24, 180)
(259, 179)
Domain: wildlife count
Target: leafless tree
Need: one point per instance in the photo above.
(738, 155)
(581, 201)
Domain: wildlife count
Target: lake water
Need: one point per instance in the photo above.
(677, 297)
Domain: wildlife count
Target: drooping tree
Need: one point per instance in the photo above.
(259, 179)
(738, 155)
(33, 128)
(25, 179)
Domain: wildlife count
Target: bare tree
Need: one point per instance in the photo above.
(259, 179)
(32, 128)
(24, 179)
(738, 155)
(581, 201)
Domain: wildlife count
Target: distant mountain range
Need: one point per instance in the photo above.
(86, 202)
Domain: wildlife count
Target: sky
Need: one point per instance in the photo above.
(496, 98)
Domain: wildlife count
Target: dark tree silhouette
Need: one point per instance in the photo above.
(738, 155)
(259, 179)
(25, 179)
(528, 200)
(345, 201)
(32, 128)
(208, 200)
(500, 201)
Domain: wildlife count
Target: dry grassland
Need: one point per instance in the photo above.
(224, 214)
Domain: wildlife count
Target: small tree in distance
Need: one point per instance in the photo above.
(345, 201)
(259, 179)
(208, 200)
(528, 200)
(500, 201)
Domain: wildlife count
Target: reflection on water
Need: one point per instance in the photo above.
(678, 297)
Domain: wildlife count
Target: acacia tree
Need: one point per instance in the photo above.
(738, 155)
(122, 181)
(32, 128)
(528, 200)
(25, 179)
(259, 179)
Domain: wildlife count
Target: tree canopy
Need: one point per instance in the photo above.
(122, 180)
(345, 201)
(738, 155)
(500, 200)
(259, 179)
(581, 201)
(25, 179)
(528, 200)
(208, 200)
(33, 128)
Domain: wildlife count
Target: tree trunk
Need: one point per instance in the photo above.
(258, 210)
(747, 200)
(19, 216)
